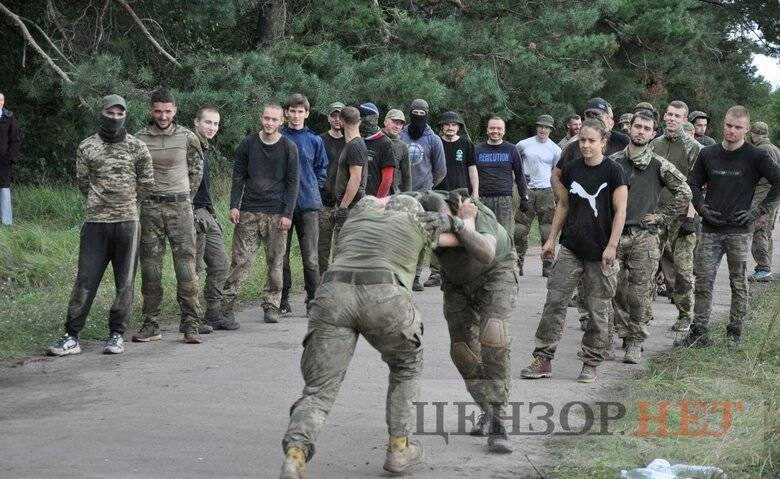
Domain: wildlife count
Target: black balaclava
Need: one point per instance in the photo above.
(112, 130)
(417, 124)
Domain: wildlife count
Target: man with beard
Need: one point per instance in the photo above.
(381, 155)
(333, 139)
(426, 157)
(394, 123)
(678, 237)
(114, 171)
(167, 213)
(637, 252)
(573, 125)
(539, 155)
(731, 172)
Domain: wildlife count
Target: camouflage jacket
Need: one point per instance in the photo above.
(113, 176)
(763, 186)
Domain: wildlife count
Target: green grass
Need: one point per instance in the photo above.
(750, 448)
(38, 258)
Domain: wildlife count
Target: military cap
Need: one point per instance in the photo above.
(452, 117)
(643, 105)
(335, 106)
(395, 114)
(626, 118)
(598, 105)
(403, 203)
(760, 128)
(687, 126)
(697, 114)
(112, 100)
(545, 120)
(419, 104)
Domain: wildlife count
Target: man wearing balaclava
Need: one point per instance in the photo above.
(114, 171)
(381, 155)
(426, 156)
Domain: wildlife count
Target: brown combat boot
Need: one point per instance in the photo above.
(539, 368)
(633, 352)
(587, 375)
(191, 335)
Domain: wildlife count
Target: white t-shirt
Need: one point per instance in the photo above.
(539, 159)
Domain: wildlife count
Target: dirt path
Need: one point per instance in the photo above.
(172, 410)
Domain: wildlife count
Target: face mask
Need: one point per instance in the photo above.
(369, 125)
(112, 129)
(417, 124)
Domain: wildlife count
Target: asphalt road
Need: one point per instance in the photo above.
(170, 410)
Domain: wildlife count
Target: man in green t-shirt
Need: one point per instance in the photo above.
(479, 280)
(367, 291)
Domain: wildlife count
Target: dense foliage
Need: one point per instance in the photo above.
(513, 58)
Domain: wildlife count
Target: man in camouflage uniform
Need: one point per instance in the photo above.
(678, 238)
(167, 213)
(366, 291)
(209, 244)
(262, 201)
(638, 251)
(479, 281)
(114, 170)
(765, 224)
(730, 172)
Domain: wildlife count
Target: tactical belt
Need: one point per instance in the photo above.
(170, 198)
(360, 277)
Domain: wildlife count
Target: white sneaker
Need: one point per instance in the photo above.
(65, 345)
(115, 344)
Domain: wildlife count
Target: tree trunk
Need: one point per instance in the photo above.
(272, 21)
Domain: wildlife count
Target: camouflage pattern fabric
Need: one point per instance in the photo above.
(174, 221)
(502, 207)
(210, 252)
(113, 176)
(599, 284)
(252, 230)
(638, 253)
(712, 247)
(762, 245)
(678, 253)
(541, 205)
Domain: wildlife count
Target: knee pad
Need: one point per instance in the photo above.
(494, 334)
(465, 360)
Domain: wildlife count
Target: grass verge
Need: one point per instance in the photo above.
(38, 258)
(746, 446)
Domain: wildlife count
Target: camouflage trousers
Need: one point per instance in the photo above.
(637, 253)
(541, 205)
(342, 310)
(503, 208)
(477, 316)
(677, 253)
(599, 286)
(172, 220)
(327, 216)
(252, 230)
(210, 247)
(762, 245)
(712, 247)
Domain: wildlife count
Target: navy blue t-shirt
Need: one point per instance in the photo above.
(496, 165)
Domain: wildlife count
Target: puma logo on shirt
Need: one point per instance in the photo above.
(577, 189)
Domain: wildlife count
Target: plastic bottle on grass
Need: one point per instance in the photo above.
(661, 469)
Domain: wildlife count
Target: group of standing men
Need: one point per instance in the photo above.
(620, 203)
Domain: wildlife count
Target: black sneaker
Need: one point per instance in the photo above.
(498, 441)
(64, 346)
(115, 344)
(284, 308)
(271, 314)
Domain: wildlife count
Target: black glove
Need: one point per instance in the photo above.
(524, 205)
(687, 227)
(341, 216)
(744, 217)
(715, 218)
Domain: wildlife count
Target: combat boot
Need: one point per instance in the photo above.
(481, 427)
(226, 320)
(270, 314)
(498, 441)
(539, 368)
(693, 341)
(682, 324)
(191, 335)
(433, 280)
(294, 465)
(203, 328)
(587, 374)
(633, 352)
(149, 332)
(401, 457)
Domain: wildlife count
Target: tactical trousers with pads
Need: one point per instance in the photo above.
(343, 309)
(168, 217)
(599, 284)
(637, 253)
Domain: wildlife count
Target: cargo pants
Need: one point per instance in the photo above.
(541, 205)
(210, 247)
(637, 253)
(327, 219)
(677, 253)
(763, 245)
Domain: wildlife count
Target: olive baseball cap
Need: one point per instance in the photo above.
(760, 128)
(545, 120)
(335, 106)
(395, 114)
(112, 100)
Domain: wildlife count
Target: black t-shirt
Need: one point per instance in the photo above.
(354, 153)
(459, 155)
(496, 165)
(380, 155)
(731, 178)
(333, 147)
(617, 141)
(588, 223)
